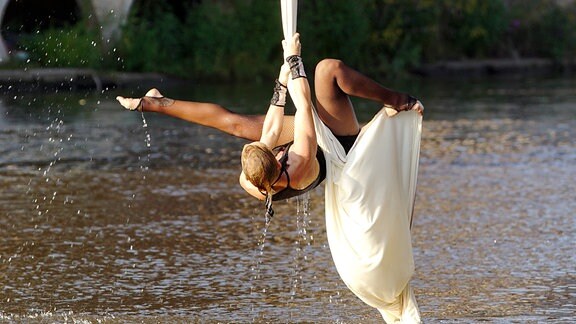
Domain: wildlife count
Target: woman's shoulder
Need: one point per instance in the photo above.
(302, 171)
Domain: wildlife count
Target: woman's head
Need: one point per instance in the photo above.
(260, 166)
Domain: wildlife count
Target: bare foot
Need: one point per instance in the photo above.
(130, 103)
(151, 100)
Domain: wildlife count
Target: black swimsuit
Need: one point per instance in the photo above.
(289, 192)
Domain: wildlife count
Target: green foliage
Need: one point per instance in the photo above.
(76, 46)
(212, 42)
(401, 34)
(258, 43)
(337, 29)
(152, 45)
(472, 28)
(230, 40)
(209, 41)
(541, 29)
(241, 41)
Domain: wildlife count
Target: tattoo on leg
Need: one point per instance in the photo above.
(161, 101)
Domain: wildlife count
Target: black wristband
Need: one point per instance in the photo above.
(296, 66)
(410, 102)
(279, 96)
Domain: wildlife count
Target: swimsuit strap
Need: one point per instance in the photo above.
(284, 163)
(283, 169)
(280, 175)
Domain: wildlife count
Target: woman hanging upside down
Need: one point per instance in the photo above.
(370, 172)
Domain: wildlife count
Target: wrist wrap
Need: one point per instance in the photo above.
(279, 96)
(296, 66)
(410, 102)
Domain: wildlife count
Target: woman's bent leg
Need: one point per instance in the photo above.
(334, 82)
(332, 103)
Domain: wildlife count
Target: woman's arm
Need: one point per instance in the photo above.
(303, 152)
(272, 125)
(304, 135)
(274, 120)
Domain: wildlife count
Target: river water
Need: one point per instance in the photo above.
(105, 220)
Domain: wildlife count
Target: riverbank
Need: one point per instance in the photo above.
(73, 79)
(492, 67)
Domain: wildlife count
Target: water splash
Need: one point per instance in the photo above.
(258, 259)
(302, 243)
(148, 142)
(53, 149)
(144, 165)
(256, 268)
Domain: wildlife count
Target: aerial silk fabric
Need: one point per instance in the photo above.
(369, 204)
(369, 197)
(289, 12)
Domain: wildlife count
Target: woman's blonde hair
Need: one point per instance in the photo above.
(260, 166)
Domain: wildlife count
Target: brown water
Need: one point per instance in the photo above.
(97, 226)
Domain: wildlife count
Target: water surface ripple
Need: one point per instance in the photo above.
(95, 226)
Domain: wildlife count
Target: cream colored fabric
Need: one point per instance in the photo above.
(369, 203)
(289, 11)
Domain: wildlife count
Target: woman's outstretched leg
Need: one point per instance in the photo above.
(207, 114)
(334, 82)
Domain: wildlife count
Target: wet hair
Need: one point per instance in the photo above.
(260, 167)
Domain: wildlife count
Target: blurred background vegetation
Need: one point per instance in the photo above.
(232, 40)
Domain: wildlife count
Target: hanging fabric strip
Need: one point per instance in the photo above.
(369, 200)
(289, 9)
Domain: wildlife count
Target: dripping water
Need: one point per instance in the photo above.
(259, 255)
(144, 165)
(53, 149)
(148, 142)
(257, 260)
(302, 243)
